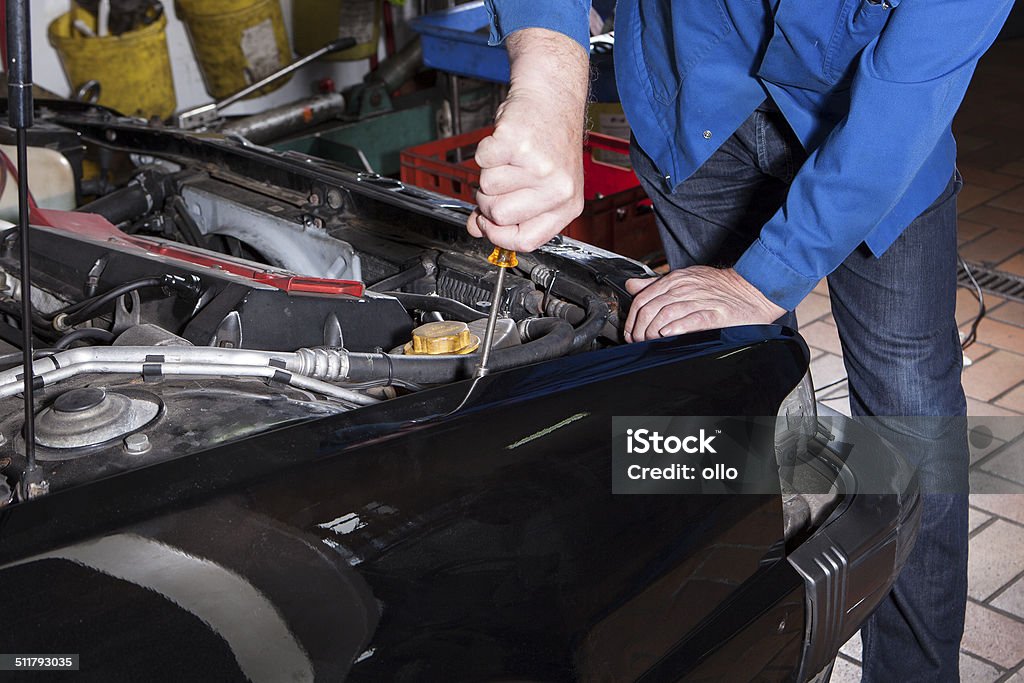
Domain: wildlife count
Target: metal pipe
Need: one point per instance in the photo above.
(139, 354)
(394, 71)
(196, 370)
(280, 121)
(217, 361)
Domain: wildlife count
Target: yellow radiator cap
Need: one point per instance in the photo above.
(448, 337)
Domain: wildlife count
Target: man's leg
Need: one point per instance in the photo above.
(896, 320)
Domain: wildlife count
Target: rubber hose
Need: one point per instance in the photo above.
(93, 333)
(553, 338)
(597, 316)
(142, 195)
(399, 279)
(93, 306)
(440, 304)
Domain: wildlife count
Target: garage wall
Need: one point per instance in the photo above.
(188, 82)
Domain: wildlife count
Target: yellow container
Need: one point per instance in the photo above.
(133, 69)
(237, 42)
(317, 22)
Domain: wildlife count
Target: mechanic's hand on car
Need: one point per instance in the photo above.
(694, 299)
(531, 181)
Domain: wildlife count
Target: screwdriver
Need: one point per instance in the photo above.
(504, 259)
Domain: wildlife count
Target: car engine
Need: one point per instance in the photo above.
(204, 290)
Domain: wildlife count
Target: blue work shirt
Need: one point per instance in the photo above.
(870, 88)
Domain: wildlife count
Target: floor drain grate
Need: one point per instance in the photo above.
(993, 281)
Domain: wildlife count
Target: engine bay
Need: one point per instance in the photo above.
(204, 290)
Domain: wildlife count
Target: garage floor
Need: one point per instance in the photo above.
(990, 132)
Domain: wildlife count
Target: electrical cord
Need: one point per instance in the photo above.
(972, 335)
(830, 385)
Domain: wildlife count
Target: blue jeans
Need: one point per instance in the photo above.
(896, 321)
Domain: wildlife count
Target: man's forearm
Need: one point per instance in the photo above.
(551, 65)
(906, 89)
(531, 178)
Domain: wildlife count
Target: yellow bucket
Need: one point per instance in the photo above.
(237, 42)
(317, 22)
(133, 69)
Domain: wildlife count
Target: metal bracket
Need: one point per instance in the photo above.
(124, 318)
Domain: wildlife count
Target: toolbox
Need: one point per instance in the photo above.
(617, 215)
(455, 41)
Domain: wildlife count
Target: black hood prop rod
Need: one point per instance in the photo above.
(20, 113)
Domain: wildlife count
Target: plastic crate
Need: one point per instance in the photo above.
(455, 40)
(617, 215)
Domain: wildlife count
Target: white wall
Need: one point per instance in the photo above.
(188, 83)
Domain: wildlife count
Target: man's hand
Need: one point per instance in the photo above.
(531, 181)
(693, 299)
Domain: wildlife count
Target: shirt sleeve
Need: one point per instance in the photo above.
(570, 17)
(909, 83)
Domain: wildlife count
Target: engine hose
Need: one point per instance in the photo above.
(597, 310)
(86, 333)
(552, 338)
(40, 324)
(400, 279)
(123, 288)
(142, 195)
(79, 313)
(440, 304)
(597, 315)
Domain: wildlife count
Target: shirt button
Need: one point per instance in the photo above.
(707, 135)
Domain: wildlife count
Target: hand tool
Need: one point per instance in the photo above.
(503, 258)
(204, 115)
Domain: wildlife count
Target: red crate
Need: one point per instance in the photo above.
(617, 214)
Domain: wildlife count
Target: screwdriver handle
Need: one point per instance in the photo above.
(503, 258)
